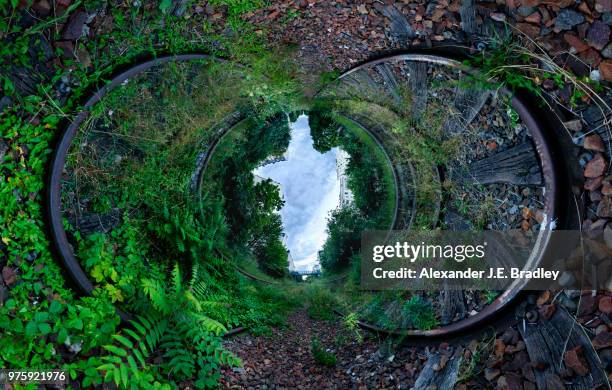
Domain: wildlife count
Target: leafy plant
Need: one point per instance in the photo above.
(188, 339)
(321, 355)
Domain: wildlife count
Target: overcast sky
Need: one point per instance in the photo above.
(310, 187)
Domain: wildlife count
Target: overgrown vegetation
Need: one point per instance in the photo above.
(321, 355)
(186, 296)
(370, 179)
(514, 60)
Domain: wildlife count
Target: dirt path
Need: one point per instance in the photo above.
(284, 360)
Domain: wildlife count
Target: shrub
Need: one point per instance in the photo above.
(321, 356)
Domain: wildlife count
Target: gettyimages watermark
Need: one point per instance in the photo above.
(491, 260)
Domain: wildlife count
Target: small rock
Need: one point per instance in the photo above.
(575, 42)
(544, 298)
(74, 27)
(595, 196)
(573, 125)
(584, 8)
(512, 349)
(554, 382)
(605, 68)
(603, 6)
(491, 373)
(595, 75)
(607, 235)
(591, 57)
(500, 347)
(499, 17)
(588, 305)
(510, 336)
(525, 225)
(605, 305)
(598, 35)
(607, 51)
(531, 316)
(535, 18)
(594, 142)
(566, 19)
(604, 209)
(8, 274)
(602, 340)
(441, 363)
(529, 385)
(547, 311)
(529, 29)
(513, 381)
(606, 358)
(593, 183)
(42, 8)
(539, 216)
(83, 56)
(601, 328)
(596, 167)
(607, 186)
(3, 148)
(574, 359)
(566, 279)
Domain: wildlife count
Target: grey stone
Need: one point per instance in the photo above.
(526, 11)
(604, 210)
(571, 294)
(3, 149)
(5, 102)
(598, 35)
(74, 28)
(573, 125)
(568, 303)
(566, 279)
(607, 235)
(567, 18)
(607, 18)
(607, 51)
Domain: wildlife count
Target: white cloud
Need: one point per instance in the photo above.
(311, 190)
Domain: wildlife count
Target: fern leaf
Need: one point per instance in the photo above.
(124, 340)
(116, 350)
(124, 374)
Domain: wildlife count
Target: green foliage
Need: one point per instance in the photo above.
(273, 257)
(350, 331)
(42, 318)
(321, 355)
(177, 327)
(251, 209)
(321, 303)
(344, 229)
(419, 313)
(114, 260)
(514, 60)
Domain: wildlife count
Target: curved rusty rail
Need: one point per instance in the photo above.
(82, 281)
(545, 156)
